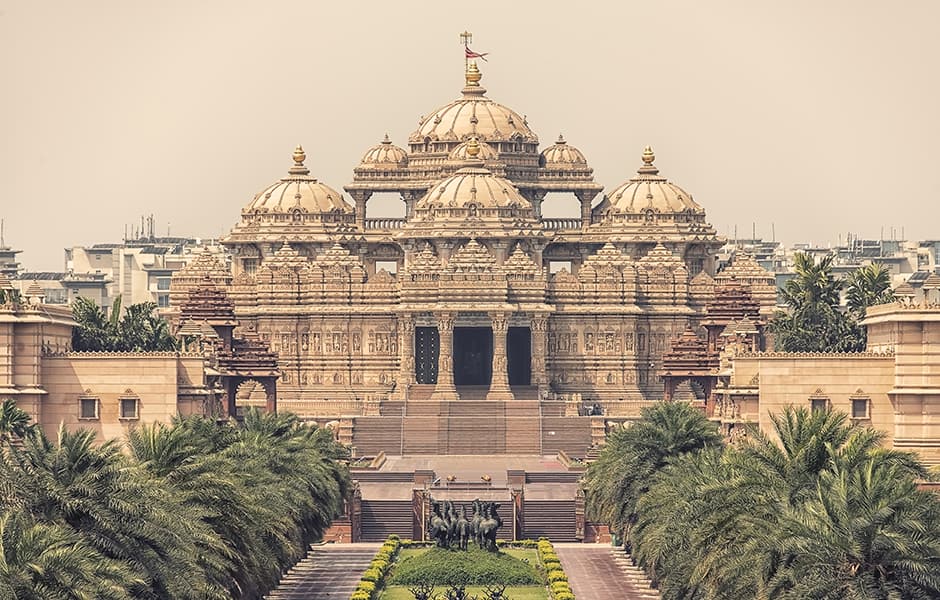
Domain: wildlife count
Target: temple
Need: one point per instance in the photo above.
(474, 294)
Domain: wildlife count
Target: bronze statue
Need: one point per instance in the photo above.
(449, 525)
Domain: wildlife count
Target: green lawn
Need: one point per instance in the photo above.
(526, 592)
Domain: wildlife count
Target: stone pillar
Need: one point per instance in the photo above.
(535, 198)
(499, 382)
(361, 197)
(445, 389)
(585, 197)
(270, 397)
(406, 356)
(410, 197)
(538, 330)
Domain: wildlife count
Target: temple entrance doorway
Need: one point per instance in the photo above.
(519, 355)
(427, 351)
(473, 355)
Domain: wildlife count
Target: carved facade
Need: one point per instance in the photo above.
(473, 287)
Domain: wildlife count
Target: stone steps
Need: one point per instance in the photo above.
(381, 518)
(554, 519)
(329, 571)
(635, 575)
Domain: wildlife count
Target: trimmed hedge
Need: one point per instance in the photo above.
(373, 577)
(439, 566)
(557, 579)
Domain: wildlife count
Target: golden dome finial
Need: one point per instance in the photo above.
(473, 74)
(473, 148)
(561, 139)
(299, 156)
(648, 156)
(386, 140)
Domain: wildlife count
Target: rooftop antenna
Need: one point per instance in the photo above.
(2, 241)
(773, 232)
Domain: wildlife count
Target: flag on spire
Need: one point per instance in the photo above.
(468, 53)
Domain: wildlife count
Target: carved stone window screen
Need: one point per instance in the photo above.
(88, 408)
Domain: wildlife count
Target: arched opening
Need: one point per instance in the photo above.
(561, 205)
(385, 205)
(249, 393)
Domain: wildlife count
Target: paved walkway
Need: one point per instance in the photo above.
(330, 571)
(597, 572)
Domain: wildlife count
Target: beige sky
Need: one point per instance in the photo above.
(819, 117)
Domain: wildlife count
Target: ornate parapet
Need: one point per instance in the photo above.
(800, 355)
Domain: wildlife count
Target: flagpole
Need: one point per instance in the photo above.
(465, 38)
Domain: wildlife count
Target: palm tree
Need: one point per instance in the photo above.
(138, 330)
(867, 533)
(14, 421)
(813, 321)
(868, 286)
(267, 488)
(119, 511)
(622, 473)
(47, 560)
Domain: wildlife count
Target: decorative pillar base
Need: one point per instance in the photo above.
(445, 394)
(500, 394)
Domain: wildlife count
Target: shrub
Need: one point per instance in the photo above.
(556, 575)
(373, 575)
(378, 563)
(560, 586)
(564, 596)
(474, 567)
(359, 595)
(367, 586)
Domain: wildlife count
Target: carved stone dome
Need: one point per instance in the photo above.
(473, 115)
(561, 155)
(648, 191)
(384, 155)
(474, 186)
(298, 193)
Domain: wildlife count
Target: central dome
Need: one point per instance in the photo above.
(473, 199)
(473, 115)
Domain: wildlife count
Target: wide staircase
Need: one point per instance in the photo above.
(595, 571)
(328, 571)
(571, 434)
(472, 425)
(372, 435)
(554, 519)
(381, 518)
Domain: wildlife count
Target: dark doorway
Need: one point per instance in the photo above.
(427, 350)
(519, 355)
(473, 355)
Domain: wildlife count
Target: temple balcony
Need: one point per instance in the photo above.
(573, 224)
(383, 224)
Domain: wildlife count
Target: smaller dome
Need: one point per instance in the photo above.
(561, 155)
(385, 154)
(484, 152)
(299, 193)
(649, 191)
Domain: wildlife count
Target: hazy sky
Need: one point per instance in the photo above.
(818, 117)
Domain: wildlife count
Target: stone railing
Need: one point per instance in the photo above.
(793, 355)
(385, 223)
(324, 408)
(561, 224)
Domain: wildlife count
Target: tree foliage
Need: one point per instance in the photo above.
(192, 510)
(817, 509)
(814, 320)
(633, 455)
(139, 329)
